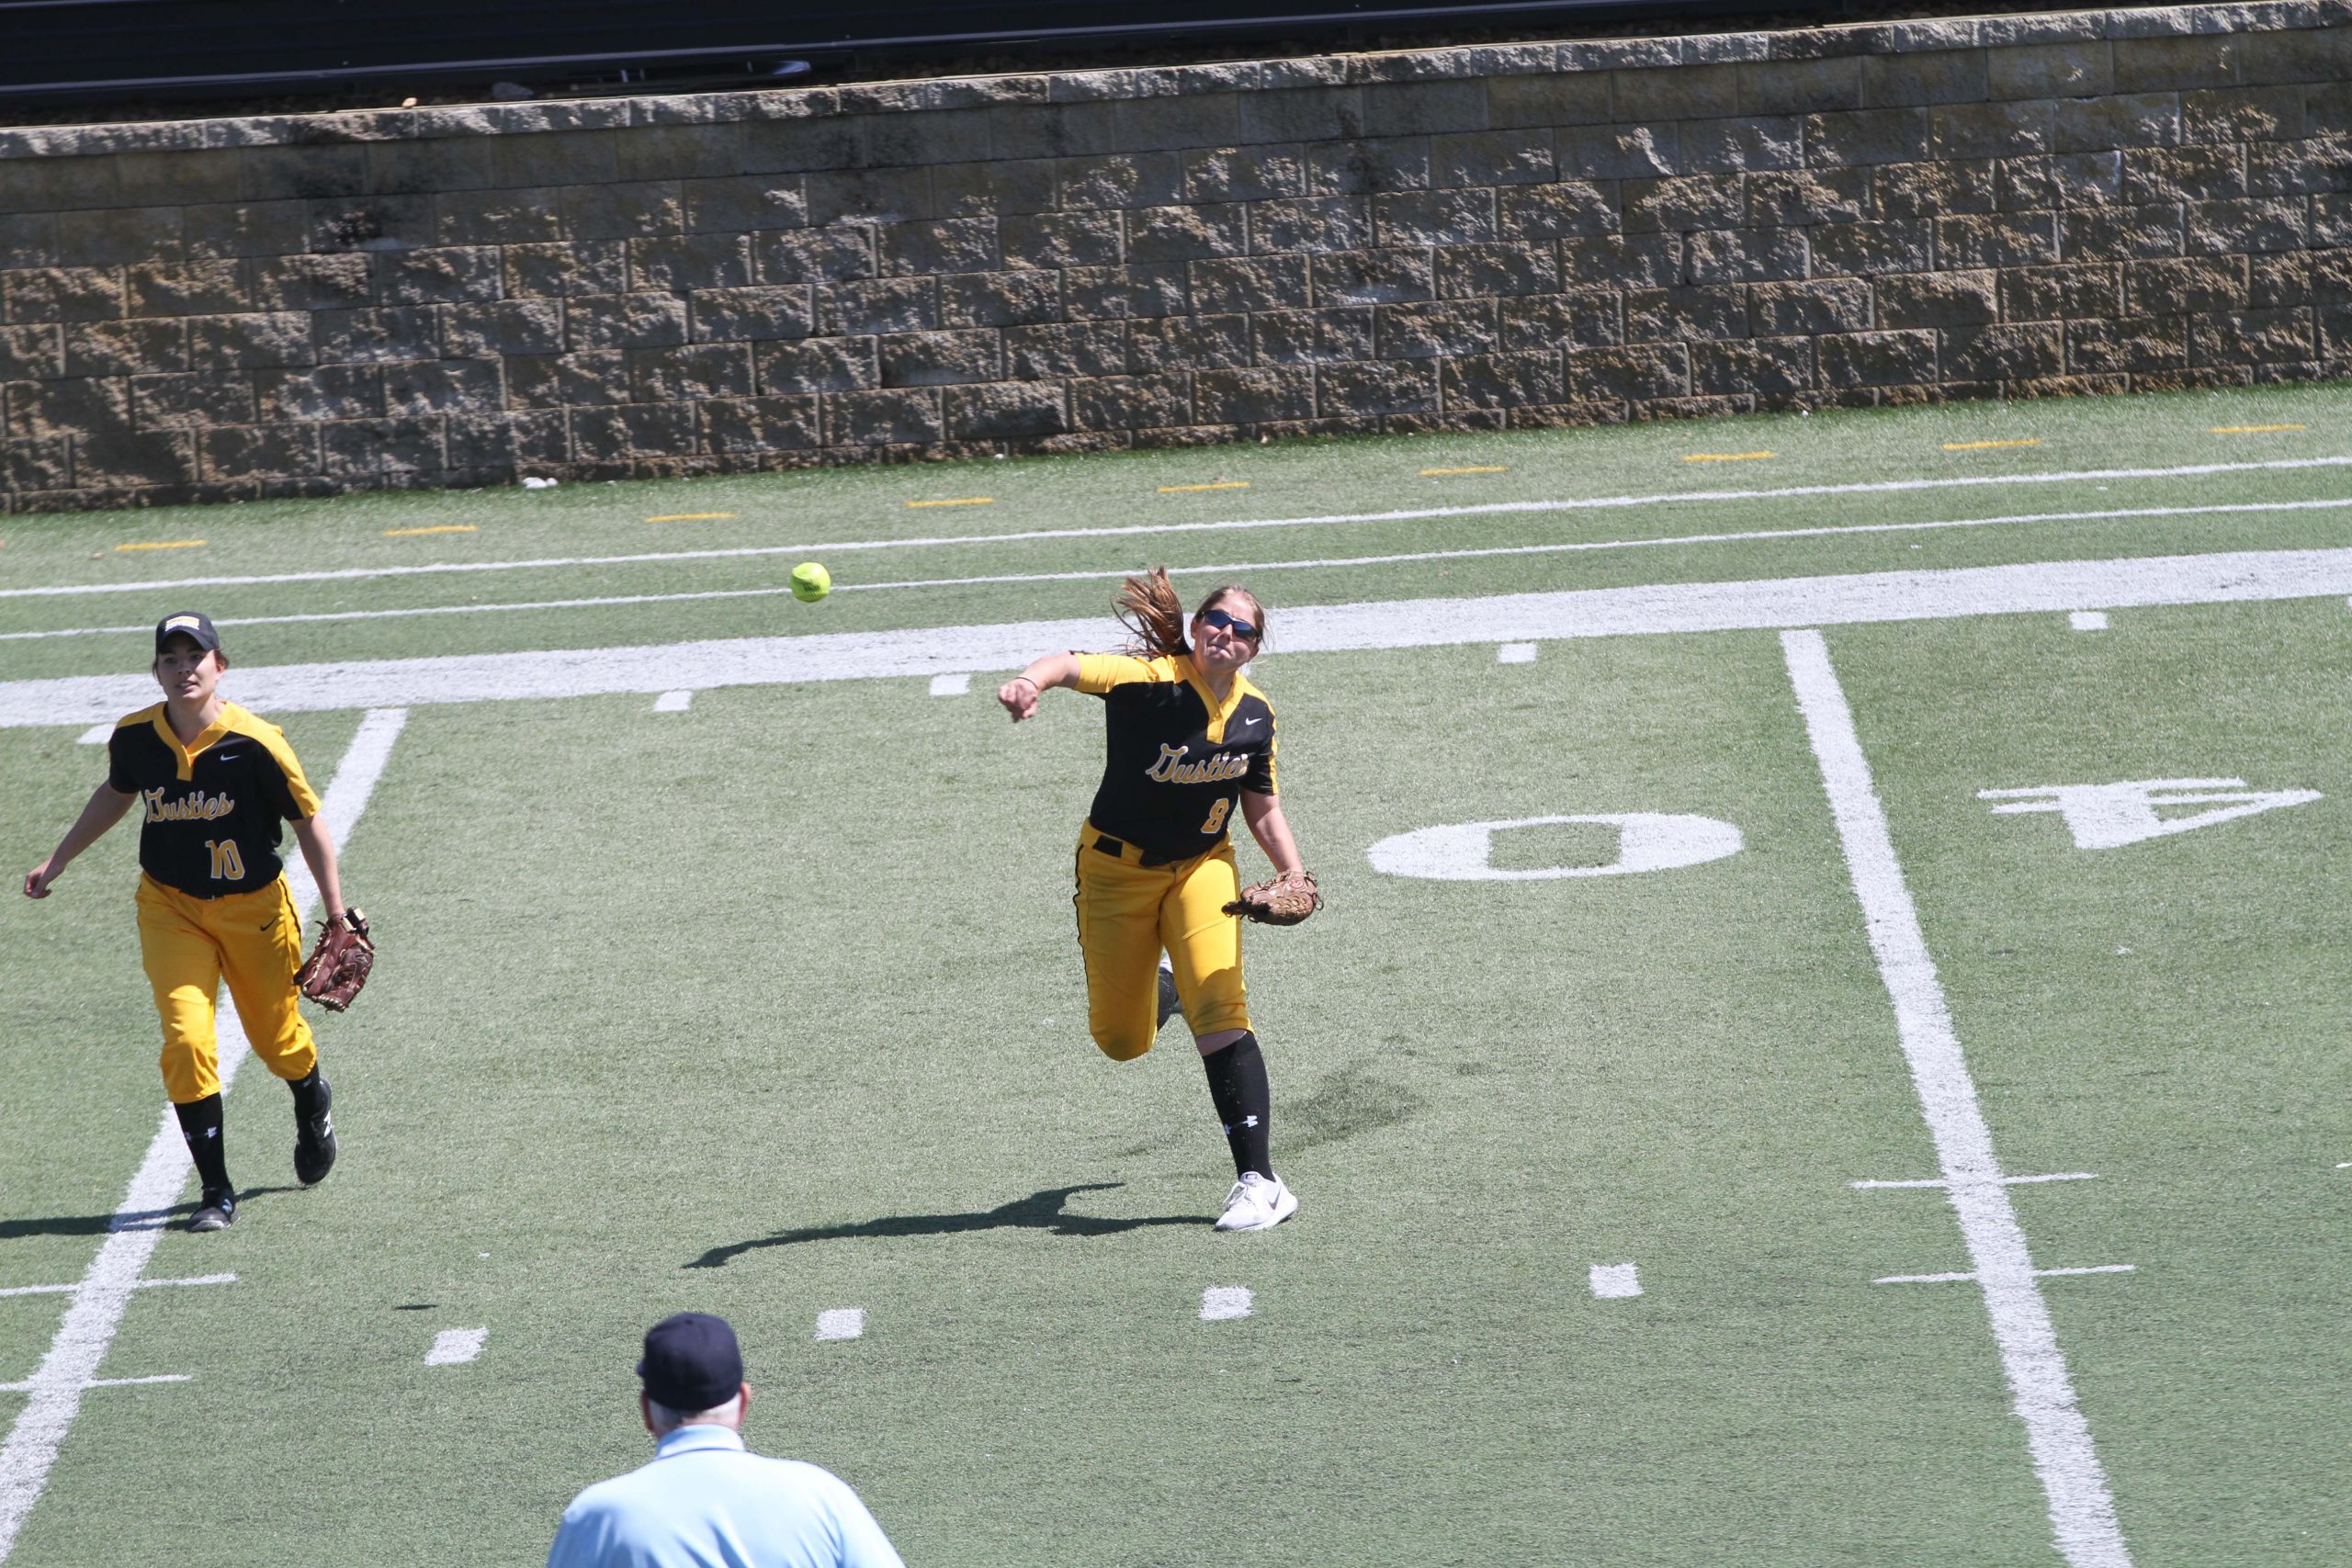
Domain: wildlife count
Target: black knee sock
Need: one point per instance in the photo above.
(200, 1125)
(306, 1093)
(1244, 1104)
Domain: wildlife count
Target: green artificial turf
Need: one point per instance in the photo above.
(772, 1006)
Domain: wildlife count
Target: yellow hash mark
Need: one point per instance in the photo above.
(966, 500)
(1227, 484)
(690, 517)
(2254, 429)
(1492, 469)
(162, 545)
(1726, 457)
(437, 528)
(1987, 446)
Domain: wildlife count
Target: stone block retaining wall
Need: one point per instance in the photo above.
(1476, 238)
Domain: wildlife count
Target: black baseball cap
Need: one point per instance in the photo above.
(188, 624)
(690, 1363)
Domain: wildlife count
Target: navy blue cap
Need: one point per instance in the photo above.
(188, 624)
(690, 1363)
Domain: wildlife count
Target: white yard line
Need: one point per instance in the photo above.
(2037, 587)
(842, 1323)
(1225, 569)
(455, 1347)
(106, 1289)
(1583, 503)
(2082, 1510)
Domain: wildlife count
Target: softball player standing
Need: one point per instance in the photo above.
(213, 903)
(1188, 737)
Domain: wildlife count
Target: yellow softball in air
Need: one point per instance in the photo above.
(811, 582)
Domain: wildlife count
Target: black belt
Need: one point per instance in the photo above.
(1117, 850)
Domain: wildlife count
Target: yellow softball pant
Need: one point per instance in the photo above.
(188, 945)
(1127, 912)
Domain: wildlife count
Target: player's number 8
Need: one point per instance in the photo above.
(1216, 817)
(228, 864)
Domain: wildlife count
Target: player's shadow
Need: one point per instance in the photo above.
(1039, 1210)
(130, 1220)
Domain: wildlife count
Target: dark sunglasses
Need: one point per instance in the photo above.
(1233, 624)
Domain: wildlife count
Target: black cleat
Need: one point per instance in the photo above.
(1167, 1002)
(216, 1211)
(315, 1146)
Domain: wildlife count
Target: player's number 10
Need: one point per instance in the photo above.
(228, 864)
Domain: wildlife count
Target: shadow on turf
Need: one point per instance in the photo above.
(1039, 1210)
(136, 1220)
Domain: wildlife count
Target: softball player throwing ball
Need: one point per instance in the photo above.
(1188, 737)
(215, 781)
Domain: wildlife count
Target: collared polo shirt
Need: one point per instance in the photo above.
(704, 1502)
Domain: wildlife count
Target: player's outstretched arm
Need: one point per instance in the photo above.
(1271, 829)
(318, 852)
(1020, 695)
(107, 805)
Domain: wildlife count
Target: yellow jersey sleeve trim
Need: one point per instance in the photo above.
(144, 716)
(240, 721)
(1099, 672)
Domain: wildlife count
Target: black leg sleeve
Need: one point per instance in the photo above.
(1244, 1104)
(200, 1125)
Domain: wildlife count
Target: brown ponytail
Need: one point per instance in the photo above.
(1149, 608)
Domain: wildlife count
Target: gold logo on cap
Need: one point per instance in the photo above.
(182, 622)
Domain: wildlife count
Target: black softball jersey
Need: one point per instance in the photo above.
(211, 810)
(1177, 759)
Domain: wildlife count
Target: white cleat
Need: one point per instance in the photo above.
(1257, 1203)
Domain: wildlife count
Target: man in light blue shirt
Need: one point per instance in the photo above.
(704, 1502)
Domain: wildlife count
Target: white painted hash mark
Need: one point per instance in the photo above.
(1612, 1281)
(2005, 1180)
(1515, 653)
(81, 1340)
(2088, 620)
(2039, 1274)
(455, 1347)
(950, 685)
(842, 1323)
(143, 1285)
(1221, 1303)
(673, 702)
(2082, 1509)
(96, 735)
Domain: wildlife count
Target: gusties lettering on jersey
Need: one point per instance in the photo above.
(196, 807)
(1172, 767)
